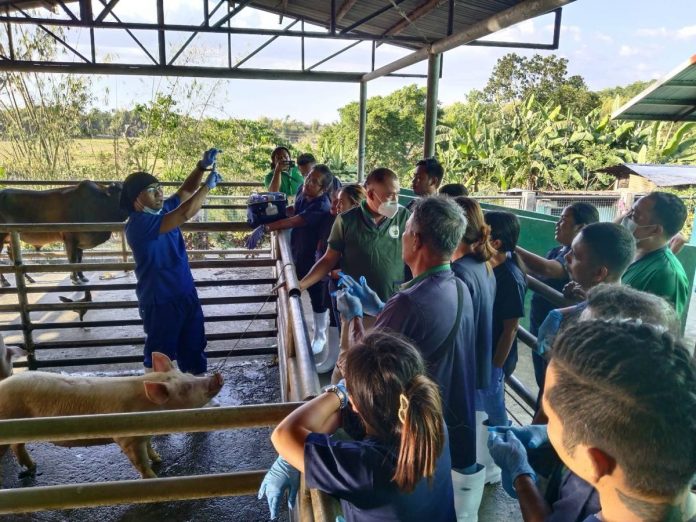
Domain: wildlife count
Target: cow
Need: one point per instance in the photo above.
(86, 202)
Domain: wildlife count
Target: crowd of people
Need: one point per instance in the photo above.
(416, 312)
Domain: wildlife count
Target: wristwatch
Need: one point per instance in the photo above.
(340, 393)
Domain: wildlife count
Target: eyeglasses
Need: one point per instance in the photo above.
(153, 188)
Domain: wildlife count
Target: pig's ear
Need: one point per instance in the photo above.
(16, 352)
(157, 392)
(160, 362)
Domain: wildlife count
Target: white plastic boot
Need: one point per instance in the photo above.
(468, 492)
(326, 359)
(321, 324)
(483, 456)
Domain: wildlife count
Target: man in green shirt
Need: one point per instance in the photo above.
(285, 177)
(367, 242)
(653, 221)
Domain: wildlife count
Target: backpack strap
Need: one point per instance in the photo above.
(447, 343)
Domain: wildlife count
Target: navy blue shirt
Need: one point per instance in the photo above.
(540, 307)
(304, 240)
(480, 281)
(161, 263)
(577, 500)
(360, 474)
(511, 285)
(425, 313)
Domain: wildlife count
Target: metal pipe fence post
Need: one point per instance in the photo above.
(23, 300)
(362, 132)
(434, 65)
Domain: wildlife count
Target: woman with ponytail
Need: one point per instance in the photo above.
(401, 469)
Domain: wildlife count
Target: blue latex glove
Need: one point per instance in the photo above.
(339, 518)
(253, 239)
(509, 454)
(348, 305)
(532, 436)
(209, 158)
(371, 303)
(342, 386)
(213, 179)
(282, 476)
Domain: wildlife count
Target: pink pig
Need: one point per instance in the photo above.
(6, 356)
(42, 394)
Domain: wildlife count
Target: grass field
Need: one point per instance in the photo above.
(85, 152)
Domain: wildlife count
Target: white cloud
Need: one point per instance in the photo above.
(604, 38)
(627, 50)
(654, 32)
(686, 32)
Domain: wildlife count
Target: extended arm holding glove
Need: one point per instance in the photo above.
(320, 415)
(508, 447)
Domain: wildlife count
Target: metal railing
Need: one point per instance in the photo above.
(557, 299)
(25, 308)
(298, 377)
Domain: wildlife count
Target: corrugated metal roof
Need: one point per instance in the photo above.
(671, 99)
(429, 27)
(660, 175)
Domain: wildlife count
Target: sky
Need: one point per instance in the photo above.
(608, 42)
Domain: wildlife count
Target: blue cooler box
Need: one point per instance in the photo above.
(266, 207)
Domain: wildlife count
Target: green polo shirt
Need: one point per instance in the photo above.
(660, 273)
(369, 249)
(290, 181)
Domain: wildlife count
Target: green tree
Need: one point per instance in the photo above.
(516, 77)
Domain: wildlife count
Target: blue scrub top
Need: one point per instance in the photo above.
(577, 500)
(511, 285)
(540, 307)
(359, 473)
(425, 313)
(161, 263)
(481, 284)
(305, 239)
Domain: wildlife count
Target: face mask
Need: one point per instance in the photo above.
(152, 211)
(632, 226)
(388, 208)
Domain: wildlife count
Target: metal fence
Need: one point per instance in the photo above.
(299, 380)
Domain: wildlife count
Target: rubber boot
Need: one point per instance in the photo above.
(326, 359)
(483, 456)
(321, 323)
(468, 492)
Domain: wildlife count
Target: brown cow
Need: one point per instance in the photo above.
(86, 202)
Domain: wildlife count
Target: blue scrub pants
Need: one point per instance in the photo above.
(492, 400)
(176, 329)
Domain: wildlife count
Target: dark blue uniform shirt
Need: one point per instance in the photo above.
(511, 286)
(425, 312)
(305, 239)
(161, 263)
(541, 307)
(360, 474)
(480, 281)
(576, 501)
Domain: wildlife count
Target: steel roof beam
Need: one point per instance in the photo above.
(411, 17)
(107, 9)
(518, 13)
(261, 47)
(184, 71)
(346, 6)
(139, 26)
(372, 16)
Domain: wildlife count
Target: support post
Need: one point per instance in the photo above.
(23, 300)
(434, 64)
(362, 132)
(528, 201)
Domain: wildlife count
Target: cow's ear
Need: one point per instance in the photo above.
(114, 189)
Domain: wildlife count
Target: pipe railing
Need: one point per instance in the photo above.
(25, 308)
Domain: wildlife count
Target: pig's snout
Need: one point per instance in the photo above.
(215, 384)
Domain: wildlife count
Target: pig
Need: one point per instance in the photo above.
(42, 394)
(6, 356)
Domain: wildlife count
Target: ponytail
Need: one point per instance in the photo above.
(478, 233)
(422, 433)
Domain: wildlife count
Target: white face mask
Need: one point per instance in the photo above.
(388, 208)
(149, 210)
(632, 226)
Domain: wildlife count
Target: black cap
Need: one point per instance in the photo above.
(134, 185)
